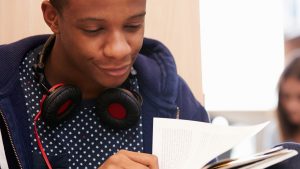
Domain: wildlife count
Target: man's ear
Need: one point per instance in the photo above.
(50, 16)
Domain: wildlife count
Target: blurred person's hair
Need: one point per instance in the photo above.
(287, 128)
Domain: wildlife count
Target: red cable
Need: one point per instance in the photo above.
(36, 118)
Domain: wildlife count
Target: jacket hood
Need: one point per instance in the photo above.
(157, 75)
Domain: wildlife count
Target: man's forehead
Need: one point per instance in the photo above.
(104, 2)
(103, 8)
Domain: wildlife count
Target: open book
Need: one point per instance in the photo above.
(183, 144)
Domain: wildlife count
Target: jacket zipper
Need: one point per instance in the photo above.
(11, 141)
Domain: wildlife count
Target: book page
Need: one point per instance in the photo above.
(184, 144)
(256, 161)
(273, 160)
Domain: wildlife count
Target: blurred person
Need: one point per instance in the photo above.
(288, 110)
(288, 113)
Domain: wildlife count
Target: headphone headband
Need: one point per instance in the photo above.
(39, 67)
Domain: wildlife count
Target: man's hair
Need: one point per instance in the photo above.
(59, 4)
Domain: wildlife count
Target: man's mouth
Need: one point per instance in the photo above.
(116, 71)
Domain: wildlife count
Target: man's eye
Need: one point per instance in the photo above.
(133, 27)
(93, 30)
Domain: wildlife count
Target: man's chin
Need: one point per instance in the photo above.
(115, 83)
(112, 81)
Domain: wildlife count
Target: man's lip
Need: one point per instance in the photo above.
(116, 71)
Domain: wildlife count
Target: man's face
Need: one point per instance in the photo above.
(101, 38)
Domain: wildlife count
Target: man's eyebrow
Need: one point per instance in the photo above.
(90, 19)
(138, 15)
(101, 19)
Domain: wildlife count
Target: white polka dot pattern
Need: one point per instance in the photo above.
(85, 141)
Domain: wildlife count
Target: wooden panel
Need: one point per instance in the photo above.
(176, 23)
(20, 19)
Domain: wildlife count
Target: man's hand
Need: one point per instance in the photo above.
(130, 160)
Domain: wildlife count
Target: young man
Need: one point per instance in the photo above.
(97, 45)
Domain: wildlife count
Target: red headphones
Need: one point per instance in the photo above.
(117, 108)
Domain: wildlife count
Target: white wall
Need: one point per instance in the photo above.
(242, 53)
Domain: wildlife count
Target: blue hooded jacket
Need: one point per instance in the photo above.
(162, 89)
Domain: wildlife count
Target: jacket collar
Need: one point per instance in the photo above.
(11, 55)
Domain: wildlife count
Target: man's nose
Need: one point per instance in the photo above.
(117, 46)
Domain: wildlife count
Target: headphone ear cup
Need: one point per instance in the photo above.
(118, 108)
(60, 103)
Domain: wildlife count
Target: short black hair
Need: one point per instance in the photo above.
(59, 4)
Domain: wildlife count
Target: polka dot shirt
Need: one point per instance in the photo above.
(81, 137)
